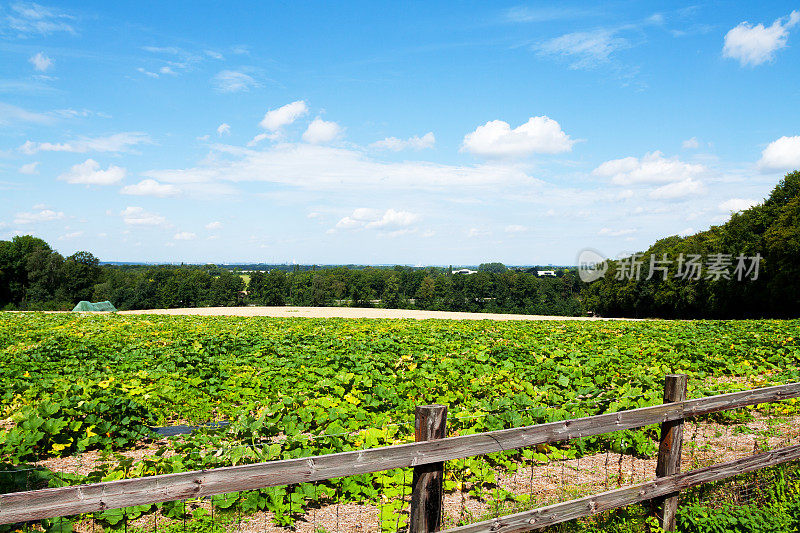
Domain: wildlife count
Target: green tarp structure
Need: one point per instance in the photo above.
(89, 307)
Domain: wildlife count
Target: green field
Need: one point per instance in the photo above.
(74, 383)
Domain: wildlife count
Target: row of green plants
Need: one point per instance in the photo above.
(299, 387)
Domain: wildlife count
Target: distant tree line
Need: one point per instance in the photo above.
(33, 276)
(769, 232)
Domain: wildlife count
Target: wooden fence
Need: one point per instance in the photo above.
(427, 457)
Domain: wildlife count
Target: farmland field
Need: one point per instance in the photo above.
(294, 387)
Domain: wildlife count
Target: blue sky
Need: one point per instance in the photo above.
(412, 133)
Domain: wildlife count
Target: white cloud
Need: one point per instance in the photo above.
(652, 168)
(516, 228)
(754, 45)
(625, 194)
(260, 137)
(677, 190)
(395, 219)
(137, 216)
(389, 220)
(214, 54)
(167, 70)
(686, 232)
(29, 17)
(691, 144)
(321, 131)
(608, 232)
(319, 167)
(781, 154)
(41, 62)
(496, 139)
(150, 187)
(584, 49)
(29, 168)
(90, 173)
(544, 13)
(70, 235)
(314, 214)
(147, 72)
(223, 129)
(184, 236)
(119, 142)
(233, 81)
(737, 204)
(43, 215)
(476, 232)
(275, 119)
(214, 225)
(414, 143)
(10, 114)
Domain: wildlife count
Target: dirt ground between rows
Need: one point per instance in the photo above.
(348, 312)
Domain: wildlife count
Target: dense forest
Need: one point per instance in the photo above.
(770, 288)
(34, 276)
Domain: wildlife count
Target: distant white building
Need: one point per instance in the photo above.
(465, 271)
(541, 273)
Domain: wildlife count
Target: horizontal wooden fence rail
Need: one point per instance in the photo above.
(614, 499)
(67, 501)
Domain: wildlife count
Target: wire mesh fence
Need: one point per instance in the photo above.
(476, 488)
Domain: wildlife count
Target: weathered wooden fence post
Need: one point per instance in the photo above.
(669, 450)
(430, 423)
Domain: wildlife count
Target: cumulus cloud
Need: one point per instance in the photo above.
(737, 204)
(496, 139)
(413, 143)
(275, 119)
(29, 168)
(321, 131)
(119, 142)
(584, 50)
(42, 215)
(223, 129)
(41, 62)
(137, 216)
(150, 187)
(234, 81)
(184, 236)
(365, 217)
(677, 190)
(781, 154)
(652, 168)
(90, 173)
(755, 45)
(214, 225)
